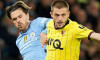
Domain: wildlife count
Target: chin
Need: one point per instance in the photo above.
(59, 27)
(20, 29)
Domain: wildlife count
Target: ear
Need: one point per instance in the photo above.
(27, 15)
(68, 13)
(51, 14)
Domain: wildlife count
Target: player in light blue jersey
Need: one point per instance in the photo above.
(28, 41)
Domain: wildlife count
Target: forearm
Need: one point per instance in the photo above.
(43, 38)
(95, 36)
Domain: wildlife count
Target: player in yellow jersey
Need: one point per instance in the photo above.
(63, 35)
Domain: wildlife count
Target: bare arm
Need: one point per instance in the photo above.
(43, 39)
(95, 36)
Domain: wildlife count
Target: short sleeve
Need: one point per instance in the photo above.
(42, 21)
(83, 32)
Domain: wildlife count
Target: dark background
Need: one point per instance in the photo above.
(86, 12)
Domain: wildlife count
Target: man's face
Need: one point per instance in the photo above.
(60, 16)
(20, 19)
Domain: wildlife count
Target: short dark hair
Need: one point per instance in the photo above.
(18, 4)
(59, 4)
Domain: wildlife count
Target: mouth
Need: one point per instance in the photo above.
(59, 23)
(19, 25)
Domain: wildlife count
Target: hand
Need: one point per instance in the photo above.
(43, 39)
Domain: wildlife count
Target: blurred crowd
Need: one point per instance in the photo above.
(85, 12)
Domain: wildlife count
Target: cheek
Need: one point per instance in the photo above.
(55, 18)
(15, 24)
(22, 20)
(65, 18)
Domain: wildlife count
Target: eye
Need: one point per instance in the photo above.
(63, 14)
(20, 16)
(56, 14)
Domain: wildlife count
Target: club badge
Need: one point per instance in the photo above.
(32, 34)
(62, 32)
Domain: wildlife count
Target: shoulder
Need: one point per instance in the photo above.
(41, 19)
(72, 22)
(50, 23)
(74, 26)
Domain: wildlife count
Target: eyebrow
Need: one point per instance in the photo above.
(14, 18)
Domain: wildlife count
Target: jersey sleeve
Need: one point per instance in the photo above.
(83, 32)
(43, 21)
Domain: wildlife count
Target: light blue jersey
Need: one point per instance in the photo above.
(29, 42)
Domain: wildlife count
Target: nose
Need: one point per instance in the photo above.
(60, 18)
(17, 20)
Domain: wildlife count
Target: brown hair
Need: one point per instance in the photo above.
(18, 4)
(59, 4)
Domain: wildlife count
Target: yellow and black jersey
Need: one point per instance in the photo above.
(64, 44)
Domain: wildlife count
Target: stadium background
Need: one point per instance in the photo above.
(86, 12)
